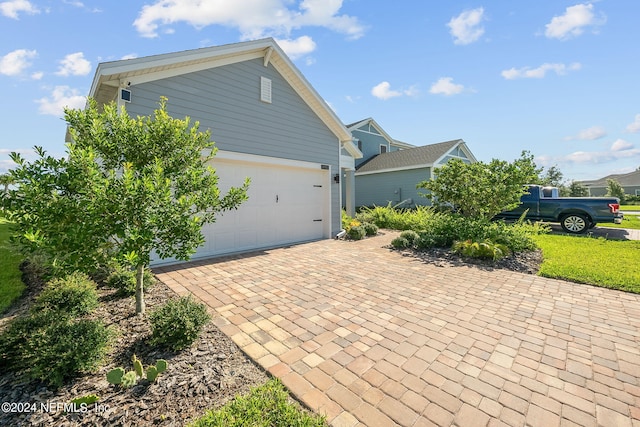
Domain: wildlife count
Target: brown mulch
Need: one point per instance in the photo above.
(523, 262)
(205, 376)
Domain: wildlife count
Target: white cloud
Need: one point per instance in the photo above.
(573, 22)
(621, 145)
(74, 64)
(14, 63)
(383, 91)
(635, 126)
(11, 8)
(253, 18)
(620, 149)
(61, 97)
(466, 28)
(445, 86)
(298, 47)
(590, 134)
(130, 56)
(540, 72)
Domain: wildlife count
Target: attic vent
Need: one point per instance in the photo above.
(125, 95)
(265, 90)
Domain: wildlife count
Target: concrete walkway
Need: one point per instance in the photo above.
(372, 337)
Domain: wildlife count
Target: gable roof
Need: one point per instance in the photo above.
(110, 76)
(412, 158)
(627, 179)
(369, 121)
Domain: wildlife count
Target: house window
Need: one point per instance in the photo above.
(359, 145)
(383, 149)
(265, 90)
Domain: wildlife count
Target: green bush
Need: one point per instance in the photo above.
(178, 322)
(124, 280)
(485, 249)
(400, 243)
(356, 232)
(51, 348)
(73, 295)
(267, 405)
(370, 229)
(410, 235)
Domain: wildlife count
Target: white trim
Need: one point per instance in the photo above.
(347, 162)
(404, 168)
(275, 161)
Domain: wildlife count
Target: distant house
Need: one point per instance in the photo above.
(629, 181)
(269, 124)
(389, 169)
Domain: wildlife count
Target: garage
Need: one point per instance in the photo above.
(289, 202)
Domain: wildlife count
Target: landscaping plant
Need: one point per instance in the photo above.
(178, 323)
(127, 187)
(118, 376)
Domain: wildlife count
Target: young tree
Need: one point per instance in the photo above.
(146, 188)
(481, 189)
(614, 189)
(576, 189)
(6, 180)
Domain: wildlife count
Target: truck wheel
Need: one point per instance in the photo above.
(575, 223)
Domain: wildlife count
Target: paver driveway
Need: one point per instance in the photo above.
(369, 336)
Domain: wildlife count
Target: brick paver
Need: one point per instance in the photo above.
(371, 336)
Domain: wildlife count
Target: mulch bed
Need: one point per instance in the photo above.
(207, 375)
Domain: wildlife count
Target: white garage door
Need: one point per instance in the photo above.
(287, 203)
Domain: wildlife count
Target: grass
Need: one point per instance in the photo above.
(11, 285)
(630, 208)
(596, 261)
(629, 221)
(265, 406)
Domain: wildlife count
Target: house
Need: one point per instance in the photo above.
(629, 181)
(268, 123)
(389, 169)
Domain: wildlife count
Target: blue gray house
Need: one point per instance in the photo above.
(630, 182)
(389, 169)
(269, 124)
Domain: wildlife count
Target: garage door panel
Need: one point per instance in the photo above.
(282, 206)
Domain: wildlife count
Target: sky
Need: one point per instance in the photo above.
(560, 79)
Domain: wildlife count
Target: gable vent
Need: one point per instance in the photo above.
(265, 90)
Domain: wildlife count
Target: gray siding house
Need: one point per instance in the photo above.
(268, 123)
(390, 169)
(629, 181)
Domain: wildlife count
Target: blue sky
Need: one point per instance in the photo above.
(557, 78)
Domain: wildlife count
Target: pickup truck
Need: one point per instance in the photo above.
(575, 214)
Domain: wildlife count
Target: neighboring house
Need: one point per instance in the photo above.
(390, 169)
(629, 181)
(268, 123)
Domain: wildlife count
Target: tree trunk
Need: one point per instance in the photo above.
(140, 305)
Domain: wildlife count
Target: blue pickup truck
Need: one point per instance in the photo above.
(575, 214)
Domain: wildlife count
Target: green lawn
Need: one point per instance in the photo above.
(11, 286)
(630, 208)
(608, 263)
(629, 221)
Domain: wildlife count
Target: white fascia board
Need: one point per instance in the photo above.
(266, 160)
(360, 123)
(404, 168)
(439, 159)
(352, 149)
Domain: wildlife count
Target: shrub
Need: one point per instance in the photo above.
(485, 249)
(178, 322)
(356, 232)
(410, 235)
(400, 243)
(73, 295)
(370, 229)
(124, 280)
(51, 348)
